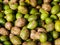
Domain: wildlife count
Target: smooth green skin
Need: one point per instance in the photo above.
(7, 43)
(31, 43)
(26, 16)
(33, 11)
(2, 21)
(43, 11)
(10, 17)
(24, 34)
(32, 17)
(48, 20)
(3, 38)
(22, 3)
(55, 34)
(56, 0)
(22, 9)
(43, 37)
(58, 14)
(14, 6)
(19, 15)
(32, 25)
(6, 7)
(54, 3)
(55, 9)
(9, 11)
(53, 16)
(1, 15)
(57, 26)
(1, 1)
(44, 16)
(15, 40)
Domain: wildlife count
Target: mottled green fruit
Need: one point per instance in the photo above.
(33, 11)
(32, 17)
(7, 43)
(22, 9)
(43, 37)
(44, 16)
(55, 9)
(3, 38)
(18, 15)
(24, 34)
(32, 25)
(15, 40)
(55, 34)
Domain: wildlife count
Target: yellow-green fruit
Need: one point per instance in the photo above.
(57, 25)
(24, 34)
(22, 9)
(55, 9)
(15, 40)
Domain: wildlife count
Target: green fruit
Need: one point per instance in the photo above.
(2, 21)
(15, 40)
(7, 43)
(44, 16)
(18, 15)
(43, 11)
(26, 16)
(3, 38)
(22, 9)
(55, 9)
(1, 14)
(8, 11)
(6, 7)
(48, 20)
(27, 1)
(22, 3)
(33, 11)
(57, 25)
(53, 16)
(58, 14)
(54, 3)
(43, 37)
(32, 17)
(10, 17)
(13, 6)
(32, 25)
(24, 34)
(55, 34)
(56, 0)
(1, 1)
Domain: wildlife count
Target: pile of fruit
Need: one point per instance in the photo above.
(29, 22)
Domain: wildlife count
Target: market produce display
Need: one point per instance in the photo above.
(29, 22)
